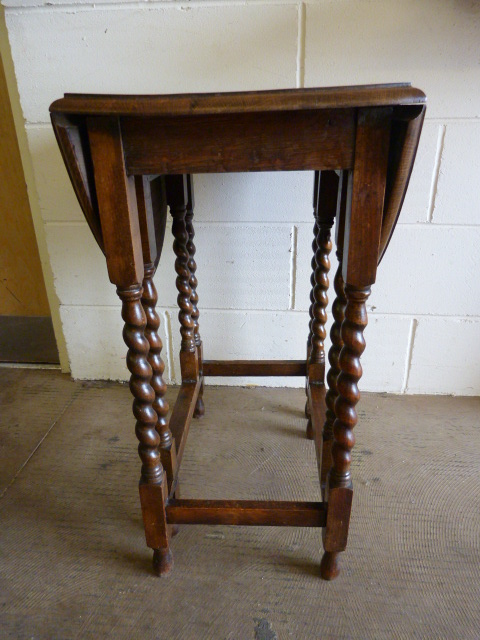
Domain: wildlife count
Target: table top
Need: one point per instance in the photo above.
(256, 130)
(381, 95)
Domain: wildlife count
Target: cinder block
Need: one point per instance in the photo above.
(254, 197)
(162, 48)
(417, 201)
(95, 346)
(243, 266)
(431, 44)
(419, 274)
(55, 193)
(245, 335)
(79, 267)
(248, 335)
(446, 356)
(430, 270)
(239, 266)
(457, 199)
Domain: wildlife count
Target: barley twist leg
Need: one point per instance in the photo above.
(312, 302)
(153, 479)
(339, 482)
(160, 404)
(192, 265)
(338, 313)
(320, 301)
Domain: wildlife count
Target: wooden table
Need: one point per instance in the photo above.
(131, 157)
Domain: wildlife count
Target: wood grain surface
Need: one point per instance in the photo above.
(242, 102)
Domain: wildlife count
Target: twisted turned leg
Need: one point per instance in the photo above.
(192, 266)
(319, 307)
(188, 349)
(339, 483)
(153, 483)
(312, 302)
(338, 313)
(160, 404)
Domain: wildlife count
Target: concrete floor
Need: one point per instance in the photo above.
(73, 559)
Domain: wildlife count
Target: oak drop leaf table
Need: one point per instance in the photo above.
(130, 158)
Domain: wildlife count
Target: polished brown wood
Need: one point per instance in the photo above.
(152, 216)
(69, 116)
(116, 197)
(249, 142)
(247, 513)
(361, 247)
(325, 202)
(180, 420)
(153, 480)
(395, 94)
(313, 265)
(177, 198)
(403, 149)
(160, 404)
(363, 223)
(192, 266)
(338, 313)
(73, 141)
(327, 205)
(117, 203)
(316, 401)
(129, 157)
(313, 261)
(254, 368)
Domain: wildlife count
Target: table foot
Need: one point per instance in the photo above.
(199, 409)
(329, 568)
(162, 562)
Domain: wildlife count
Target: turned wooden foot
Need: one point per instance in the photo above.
(162, 562)
(329, 568)
(199, 408)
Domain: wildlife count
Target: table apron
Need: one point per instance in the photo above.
(278, 141)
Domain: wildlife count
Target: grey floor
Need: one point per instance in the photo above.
(73, 559)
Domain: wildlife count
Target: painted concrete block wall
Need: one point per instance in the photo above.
(254, 231)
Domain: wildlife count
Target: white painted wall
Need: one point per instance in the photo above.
(254, 231)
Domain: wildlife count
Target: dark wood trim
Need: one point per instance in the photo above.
(254, 368)
(316, 399)
(241, 102)
(182, 415)
(369, 133)
(117, 203)
(320, 139)
(363, 222)
(247, 513)
(72, 139)
(403, 150)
